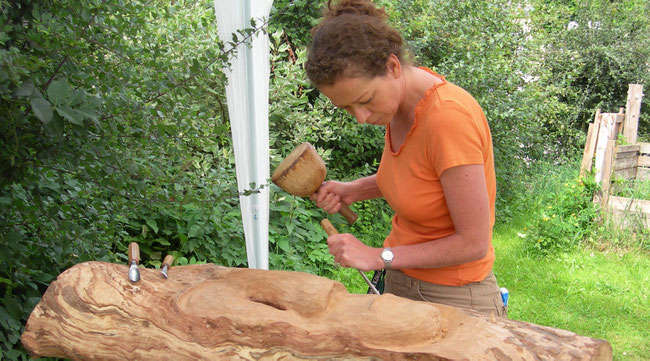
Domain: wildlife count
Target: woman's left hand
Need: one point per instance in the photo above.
(348, 251)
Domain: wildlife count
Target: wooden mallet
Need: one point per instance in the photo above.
(302, 172)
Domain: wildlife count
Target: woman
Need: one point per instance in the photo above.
(436, 171)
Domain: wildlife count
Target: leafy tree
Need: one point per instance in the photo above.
(483, 47)
(112, 131)
(114, 128)
(588, 53)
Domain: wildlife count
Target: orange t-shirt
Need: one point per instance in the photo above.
(450, 129)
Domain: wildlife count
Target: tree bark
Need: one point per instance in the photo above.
(208, 312)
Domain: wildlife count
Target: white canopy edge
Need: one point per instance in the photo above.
(247, 93)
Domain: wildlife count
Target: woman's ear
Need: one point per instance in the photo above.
(393, 66)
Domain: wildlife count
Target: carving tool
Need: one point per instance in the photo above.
(330, 230)
(302, 172)
(167, 262)
(134, 259)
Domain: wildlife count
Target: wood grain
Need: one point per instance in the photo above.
(208, 312)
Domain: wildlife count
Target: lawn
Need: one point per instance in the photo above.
(597, 294)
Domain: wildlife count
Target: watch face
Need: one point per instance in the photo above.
(387, 255)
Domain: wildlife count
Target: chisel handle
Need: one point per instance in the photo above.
(328, 227)
(134, 253)
(330, 230)
(167, 261)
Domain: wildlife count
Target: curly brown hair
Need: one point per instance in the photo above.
(353, 39)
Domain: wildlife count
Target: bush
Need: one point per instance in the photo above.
(589, 51)
(108, 136)
(114, 128)
(562, 206)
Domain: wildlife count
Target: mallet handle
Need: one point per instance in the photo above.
(346, 212)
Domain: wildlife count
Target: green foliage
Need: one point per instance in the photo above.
(295, 18)
(109, 137)
(564, 211)
(631, 188)
(296, 240)
(114, 127)
(562, 215)
(589, 51)
(538, 83)
(374, 222)
(486, 50)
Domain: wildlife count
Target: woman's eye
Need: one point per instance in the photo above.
(366, 102)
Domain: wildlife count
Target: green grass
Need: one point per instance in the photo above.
(597, 294)
(594, 293)
(631, 188)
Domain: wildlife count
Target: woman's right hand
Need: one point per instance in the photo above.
(330, 195)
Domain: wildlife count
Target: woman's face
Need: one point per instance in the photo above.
(370, 100)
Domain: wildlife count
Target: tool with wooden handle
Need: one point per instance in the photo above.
(302, 172)
(134, 259)
(167, 262)
(330, 230)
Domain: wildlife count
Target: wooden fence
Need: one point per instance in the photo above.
(611, 161)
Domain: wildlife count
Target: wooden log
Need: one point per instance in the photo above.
(632, 111)
(207, 312)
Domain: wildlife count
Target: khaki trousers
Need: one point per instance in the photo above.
(483, 296)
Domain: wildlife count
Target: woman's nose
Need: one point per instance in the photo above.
(361, 114)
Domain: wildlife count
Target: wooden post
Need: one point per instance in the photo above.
(590, 145)
(608, 168)
(632, 110)
(605, 134)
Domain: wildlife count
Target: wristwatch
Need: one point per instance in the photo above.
(387, 256)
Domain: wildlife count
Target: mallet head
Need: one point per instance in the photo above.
(302, 172)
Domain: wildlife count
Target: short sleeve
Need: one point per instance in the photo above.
(455, 138)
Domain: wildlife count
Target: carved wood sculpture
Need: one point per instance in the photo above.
(207, 312)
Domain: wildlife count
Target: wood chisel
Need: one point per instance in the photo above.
(134, 259)
(167, 262)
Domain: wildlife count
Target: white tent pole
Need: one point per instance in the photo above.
(247, 94)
